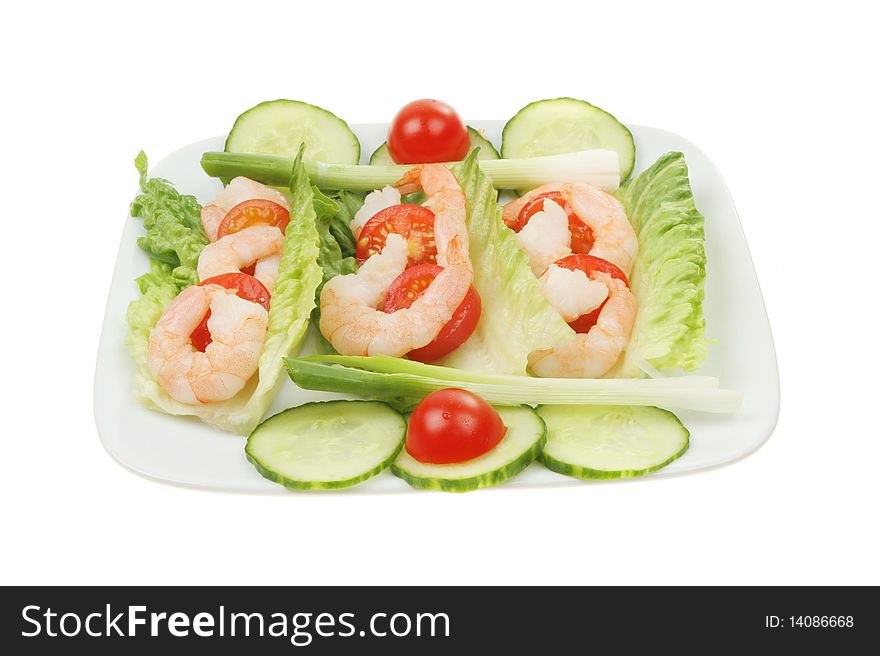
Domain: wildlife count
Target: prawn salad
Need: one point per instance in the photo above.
(225, 299)
(486, 331)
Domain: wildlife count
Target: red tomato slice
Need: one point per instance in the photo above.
(245, 286)
(426, 131)
(253, 213)
(453, 425)
(588, 264)
(581, 234)
(411, 284)
(414, 222)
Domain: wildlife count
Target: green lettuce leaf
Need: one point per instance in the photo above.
(336, 255)
(174, 238)
(172, 221)
(337, 246)
(516, 318)
(670, 271)
(158, 289)
(348, 203)
(292, 301)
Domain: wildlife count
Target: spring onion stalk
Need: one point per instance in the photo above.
(404, 383)
(597, 167)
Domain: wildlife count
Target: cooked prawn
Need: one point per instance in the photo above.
(266, 271)
(350, 318)
(238, 330)
(352, 322)
(571, 292)
(614, 237)
(546, 237)
(237, 191)
(446, 201)
(593, 354)
(241, 249)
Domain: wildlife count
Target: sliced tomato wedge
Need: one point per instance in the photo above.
(411, 284)
(581, 234)
(413, 222)
(588, 264)
(245, 286)
(254, 212)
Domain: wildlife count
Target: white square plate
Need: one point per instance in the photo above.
(186, 452)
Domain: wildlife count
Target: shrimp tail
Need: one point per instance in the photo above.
(410, 182)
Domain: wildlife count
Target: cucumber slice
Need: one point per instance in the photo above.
(595, 441)
(515, 452)
(327, 445)
(381, 156)
(278, 127)
(565, 125)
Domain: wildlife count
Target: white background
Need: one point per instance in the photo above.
(782, 96)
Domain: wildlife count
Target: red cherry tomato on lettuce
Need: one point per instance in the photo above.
(453, 425)
(427, 131)
(588, 264)
(411, 284)
(245, 286)
(414, 222)
(581, 234)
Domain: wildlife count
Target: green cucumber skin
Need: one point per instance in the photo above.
(475, 482)
(494, 477)
(589, 474)
(477, 139)
(624, 175)
(293, 484)
(381, 156)
(243, 116)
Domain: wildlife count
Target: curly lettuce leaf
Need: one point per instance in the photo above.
(172, 221)
(670, 271)
(292, 301)
(174, 238)
(516, 318)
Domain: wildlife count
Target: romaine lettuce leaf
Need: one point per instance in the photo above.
(670, 270)
(516, 318)
(158, 289)
(292, 301)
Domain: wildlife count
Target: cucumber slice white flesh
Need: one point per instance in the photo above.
(327, 445)
(595, 441)
(278, 127)
(381, 156)
(516, 451)
(566, 125)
